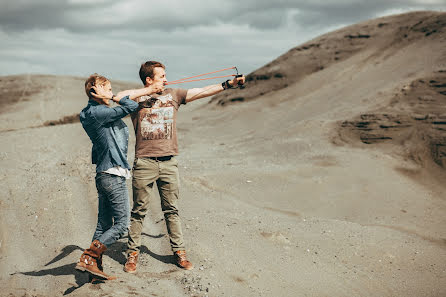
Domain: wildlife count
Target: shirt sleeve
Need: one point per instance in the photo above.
(107, 115)
(181, 95)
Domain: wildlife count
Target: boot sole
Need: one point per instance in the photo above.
(130, 271)
(104, 277)
(80, 268)
(84, 269)
(184, 268)
(100, 279)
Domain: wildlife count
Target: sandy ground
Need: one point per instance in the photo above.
(282, 194)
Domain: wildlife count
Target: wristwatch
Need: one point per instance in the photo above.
(226, 85)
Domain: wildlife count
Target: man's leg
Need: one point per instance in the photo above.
(145, 173)
(168, 186)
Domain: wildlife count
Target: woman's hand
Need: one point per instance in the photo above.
(100, 95)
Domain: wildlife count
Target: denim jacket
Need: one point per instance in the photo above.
(108, 133)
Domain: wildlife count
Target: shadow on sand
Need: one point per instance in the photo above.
(68, 269)
(116, 251)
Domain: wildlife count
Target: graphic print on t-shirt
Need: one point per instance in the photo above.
(157, 121)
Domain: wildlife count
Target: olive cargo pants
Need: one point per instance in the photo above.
(147, 171)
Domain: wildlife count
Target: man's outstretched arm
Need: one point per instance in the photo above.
(135, 93)
(198, 93)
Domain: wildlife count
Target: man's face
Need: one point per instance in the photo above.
(159, 77)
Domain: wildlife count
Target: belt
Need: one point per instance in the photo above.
(163, 158)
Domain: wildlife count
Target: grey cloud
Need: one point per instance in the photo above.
(147, 15)
(45, 14)
(352, 12)
(79, 38)
(120, 53)
(343, 13)
(31, 16)
(266, 19)
(84, 17)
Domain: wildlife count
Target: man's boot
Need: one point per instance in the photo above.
(181, 260)
(90, 259)
(132, 261)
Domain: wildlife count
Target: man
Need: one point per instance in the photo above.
(155, 162)
(109, 135)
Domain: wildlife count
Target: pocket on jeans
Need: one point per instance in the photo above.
(107, 182)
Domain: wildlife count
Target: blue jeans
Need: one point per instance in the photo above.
(113, 208)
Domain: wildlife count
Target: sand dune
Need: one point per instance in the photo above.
(323, 177)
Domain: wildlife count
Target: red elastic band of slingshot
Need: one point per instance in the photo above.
(188, 79)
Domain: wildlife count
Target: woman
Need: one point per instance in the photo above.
(109, 135)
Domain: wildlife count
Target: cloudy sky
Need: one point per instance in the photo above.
(113, 37)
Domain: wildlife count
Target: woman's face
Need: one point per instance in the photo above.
(105, 90)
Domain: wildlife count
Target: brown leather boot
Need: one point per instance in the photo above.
(110, 277)
(90, 258)
(180, 258)
(132, 261)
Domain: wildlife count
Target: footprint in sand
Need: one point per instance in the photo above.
(276, 237)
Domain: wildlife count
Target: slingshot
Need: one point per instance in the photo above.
(190, 79)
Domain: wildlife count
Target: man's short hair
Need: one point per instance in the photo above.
(147, 68)
(94, 80)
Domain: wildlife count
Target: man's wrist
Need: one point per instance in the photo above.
(226, 85)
